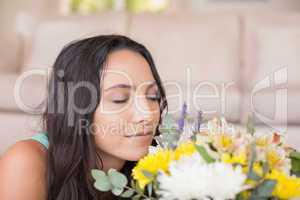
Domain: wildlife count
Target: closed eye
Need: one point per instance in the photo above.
(120, 101)
(154, 97)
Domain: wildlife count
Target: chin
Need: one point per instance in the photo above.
(136, 154)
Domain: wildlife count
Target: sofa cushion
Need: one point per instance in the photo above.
(190, 49)
(211, 99)
(272, 59)
(208, 44)
(273, 106)
(272, 42)
(52, 35)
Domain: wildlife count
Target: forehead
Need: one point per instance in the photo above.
(126, 67)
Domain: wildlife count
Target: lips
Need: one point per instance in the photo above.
(139, 134)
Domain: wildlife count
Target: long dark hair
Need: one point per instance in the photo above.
(72, 150)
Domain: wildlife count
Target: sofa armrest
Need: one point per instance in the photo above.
(22, 92)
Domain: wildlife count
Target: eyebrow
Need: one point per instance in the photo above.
(129, 86)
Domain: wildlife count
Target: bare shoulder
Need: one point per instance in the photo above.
(23, 170)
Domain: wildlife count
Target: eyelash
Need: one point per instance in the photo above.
(156, 98)
(120, 101)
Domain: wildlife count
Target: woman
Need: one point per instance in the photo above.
(105, 102)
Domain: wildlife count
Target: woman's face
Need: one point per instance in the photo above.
(128, 113)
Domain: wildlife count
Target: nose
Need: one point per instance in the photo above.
(142, 110)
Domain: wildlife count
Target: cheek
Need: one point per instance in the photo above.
(131, 149)
(156, 113)
(109, 138)
(109, 135)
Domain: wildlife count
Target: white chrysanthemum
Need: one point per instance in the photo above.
(153, 149)
(192, 178)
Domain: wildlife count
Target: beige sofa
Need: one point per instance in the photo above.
(225, 59)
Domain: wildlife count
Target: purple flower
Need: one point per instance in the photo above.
(199, 121)
(180, 121)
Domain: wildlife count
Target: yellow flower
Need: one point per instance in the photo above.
(287, 186)
(258, 169)
(241, 158)
(160, 161)
(223, 142)
(185, 149)
(273, 157)
(262, 141)
(152, 163)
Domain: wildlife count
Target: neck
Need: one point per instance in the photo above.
(109, 161)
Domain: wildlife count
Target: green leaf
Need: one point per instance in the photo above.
(194, 137)
(169, 121)
(147, 174)
(103, 185)
(264, 190)
(204, 154)
(132, 183)
(240, 196)
(117, 179)
(170, 137)
(265, 167)
(295, 155)
(117, 191)
(295, 161)
(98, 174)
(296, 165)
(149, 187)
(128, 193)
(136, 197)
(250, 125)
(251, 174)
(138, 189)
(297, 174)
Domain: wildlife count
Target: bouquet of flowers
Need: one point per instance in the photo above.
(212, 161)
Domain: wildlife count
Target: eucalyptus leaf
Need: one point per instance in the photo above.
(128, 193)
(117, 191)
(253, 176)
(171, 137)
(117, 179)
(265, 167)
(98, 174)
(168, 121)
(137, 197)
(103, 185)
(264, 190)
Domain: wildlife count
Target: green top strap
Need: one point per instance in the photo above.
(41, 138)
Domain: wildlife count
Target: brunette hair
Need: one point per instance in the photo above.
(72, 152)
